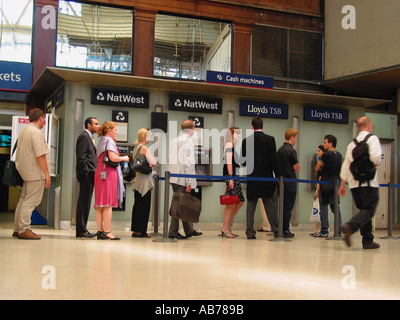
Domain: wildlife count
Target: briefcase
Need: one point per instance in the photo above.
(185, 207)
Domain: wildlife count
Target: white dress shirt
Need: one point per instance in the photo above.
(375, 155)
(182, 160)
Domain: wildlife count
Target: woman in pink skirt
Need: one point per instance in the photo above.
(108, 181)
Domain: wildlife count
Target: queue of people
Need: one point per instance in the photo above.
(96, 172)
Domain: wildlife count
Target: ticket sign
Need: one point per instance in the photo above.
(326, 115)
(265, 110)
(15, 76)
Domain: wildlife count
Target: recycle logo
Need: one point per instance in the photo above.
(100, 96)
(120, 116)
(178, 103)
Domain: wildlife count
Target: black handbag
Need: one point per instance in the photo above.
(128, 173)
(11, 176)
(107, 161)
(140, 163)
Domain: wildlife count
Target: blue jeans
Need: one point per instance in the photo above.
(289, 199)
(323, 212)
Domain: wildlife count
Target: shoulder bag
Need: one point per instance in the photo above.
(227, 199)
(11, 176)
(140, 163)
(107, 161)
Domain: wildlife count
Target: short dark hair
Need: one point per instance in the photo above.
(331, 139)
(35, 114)
(257, 123)
(88, 121)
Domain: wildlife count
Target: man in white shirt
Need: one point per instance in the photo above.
(182, 161)
(366, 195)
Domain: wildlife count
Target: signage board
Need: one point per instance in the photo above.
(119, 97)
(238, 79)
(265, 110)
(15, 76)
(321, 114)
(189, 103)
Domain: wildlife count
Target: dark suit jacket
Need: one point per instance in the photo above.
(86, 159)
(262, 157)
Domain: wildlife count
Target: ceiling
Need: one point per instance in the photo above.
(378, 85)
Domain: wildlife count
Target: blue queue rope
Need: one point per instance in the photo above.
(245, 179)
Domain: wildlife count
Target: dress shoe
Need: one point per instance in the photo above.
(194, 234)
(29, 235)
(15, 234)
(177, 236)
(287, 234)
(372, 245)
(86, 234)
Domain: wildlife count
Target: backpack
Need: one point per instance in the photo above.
(362, 168)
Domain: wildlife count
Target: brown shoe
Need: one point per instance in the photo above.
(372, 245)
(28, 235)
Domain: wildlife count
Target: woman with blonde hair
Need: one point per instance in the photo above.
(108, 181)
(233, 186)
(142, 186)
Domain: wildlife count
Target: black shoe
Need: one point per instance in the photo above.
(177, 236)
(194, 234)
(86, 234)
(287, 234)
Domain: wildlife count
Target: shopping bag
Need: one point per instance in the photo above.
(315, 217)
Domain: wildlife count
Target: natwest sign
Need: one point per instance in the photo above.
(119, 97)
(195, 103)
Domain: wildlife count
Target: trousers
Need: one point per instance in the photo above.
(31, 196)
(366, 200)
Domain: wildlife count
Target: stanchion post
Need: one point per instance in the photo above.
(156, 218)
(280, 237)
(165, 237)
(390, 212)
(336, 213)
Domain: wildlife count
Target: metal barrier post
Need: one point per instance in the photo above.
(156, 218)
(280, 237)
(165, 237)
(390, 212)
(336, 213)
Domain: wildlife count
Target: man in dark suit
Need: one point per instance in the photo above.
(259, 152)
(86, 163)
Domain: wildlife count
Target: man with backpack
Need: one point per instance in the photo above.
(363, 182)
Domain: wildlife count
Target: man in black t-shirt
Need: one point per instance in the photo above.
(330, 165)
(288, 165)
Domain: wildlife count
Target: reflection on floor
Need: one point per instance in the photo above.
(59, 266)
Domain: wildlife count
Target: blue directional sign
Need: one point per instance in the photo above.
(237, 79)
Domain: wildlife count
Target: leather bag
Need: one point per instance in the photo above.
(107, 161)
(140, 163)
(227, 199)
(11, 176)
(185, 207)
(128, 173)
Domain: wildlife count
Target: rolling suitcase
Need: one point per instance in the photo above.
(185, 207)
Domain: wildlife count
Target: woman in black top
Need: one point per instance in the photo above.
(233, 186)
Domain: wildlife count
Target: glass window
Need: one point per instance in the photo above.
(186, 47)
(16, 30)
(94, 37)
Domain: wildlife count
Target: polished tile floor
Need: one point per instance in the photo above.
(208, 267)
